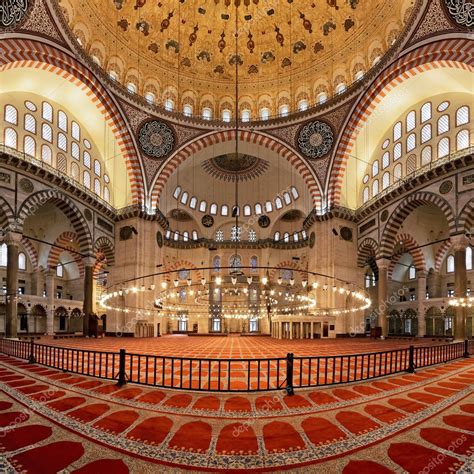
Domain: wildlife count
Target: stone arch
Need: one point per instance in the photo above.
(367, 248)
(466, 217)
(452, 53)
(181, 264)
(257, 138)
(441, 254)
(103, 244)
(25, 53)
(410, 246)
(285, 264)
(64, 204)
(402, 211)
(30, 251)
(6, 214)
(63, 244)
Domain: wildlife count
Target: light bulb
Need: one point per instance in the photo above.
(304, 283)
(164, 285)
(218, 280)
(189, 281)
(203, 281)
(264, 280)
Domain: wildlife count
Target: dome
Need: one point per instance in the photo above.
(183, 55)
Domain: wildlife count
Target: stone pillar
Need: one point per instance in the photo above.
(434, 284)
(88, 307)
(460, 243)
(382, 303)
(12, 239)
(312, 330)
(291, 329)
(421, 297)
(50, 294)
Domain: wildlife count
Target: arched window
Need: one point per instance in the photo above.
(184, 197)
(47, 112)
(469, 258)
(365, 194)
(176, 235)
(411, 142)
(286, 237)
(220, 236)
(11, 138)
(61, 163)
(322, 97)
(224, 210)
(150, 97)
(46, 154)
(213, 208)
(75, 131)
(443, 147)
(132, 88)
(443, 124)
(3, 255)
(287, 198)
(268, 206)
(284, 110)
(245, 115)
(97, 168)
(397, 172)
(47, 133)
(375, 187)
(30, 123)
(426, 133)
(86, 157)
(21, 261)
(247, 210)
(97, 187)
(411, 121)
(113, 75)
(276, 236)
(202, 206)
(177, 192)
(106, 194)
(258, 209)
(11, 114)
(303, 105)
(340, 88)
(62, 141)
(296, 236)
(187, 110)
(206, 113)
(450, 264)
(29, 146)
(86, 179)
(252, 235)
(359, 75)
(385, 180)
(397, 151)
(62, 120)
(278, 202)
(74, 171)
(216, 263)
(375, 168)
(193, 202)
(426, 112)
(426, 156)
(253, 264)
(75, 152)
(397, 131)
(226, 115)
(462, 140)
(411, 272)
(385, 160)
(195, 235)
(462, 115)
(59, 270)
(264, 113)
(411, 164)
(294, 192)
(235, 233)
(169, 105)
(185, 235)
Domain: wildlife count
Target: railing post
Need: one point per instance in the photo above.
(31, 359)
(411, 360)
(122, 376)
(289, 374)
(466, 349)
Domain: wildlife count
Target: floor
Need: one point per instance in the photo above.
(54, 421)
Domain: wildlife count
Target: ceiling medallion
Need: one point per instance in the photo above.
(462, 12)
(263, 221)
(159, 239)
(156, 139)
(12, 12)
(231, 166)
(315, 139)
(207, 220)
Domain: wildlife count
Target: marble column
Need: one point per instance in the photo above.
(50, 295)
(382, 296)
(434, 284)
(12, 239)
(421, 297)
(88, 306)
(460, 242)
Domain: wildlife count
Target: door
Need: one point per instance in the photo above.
(325, 329)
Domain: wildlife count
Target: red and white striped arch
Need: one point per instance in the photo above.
(31, 252)
(256, 138)
(449, 53)
(25, 53)
(410, 246)
(441, 254)
(66, 242)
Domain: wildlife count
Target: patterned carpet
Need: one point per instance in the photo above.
(54, 421)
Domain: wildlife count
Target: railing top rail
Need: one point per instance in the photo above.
(205, 359)
(78, 349)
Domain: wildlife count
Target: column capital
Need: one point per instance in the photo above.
(459, 242)
(421, 274)
(383, 263)
(13, 238)
(89, 261)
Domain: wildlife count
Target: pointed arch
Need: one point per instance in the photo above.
(30, 251)
(367, 248)
(6, 214)
(65, 243)
(410, 246)
(441, 254)
(466, 217)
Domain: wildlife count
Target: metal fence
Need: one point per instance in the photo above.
(234, 375)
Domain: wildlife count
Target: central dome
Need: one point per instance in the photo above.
(185, 51)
